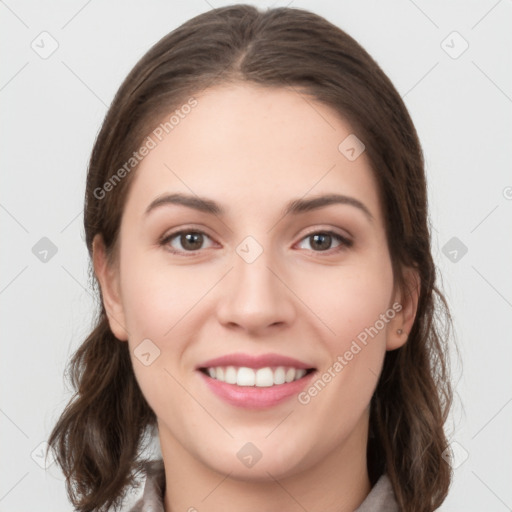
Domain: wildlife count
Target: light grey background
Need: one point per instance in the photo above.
(52, 109)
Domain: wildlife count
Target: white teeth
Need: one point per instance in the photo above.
(231, 375)
(300, 373)
(290, 374)
(263, 377)
(279, 375)
(245, 377)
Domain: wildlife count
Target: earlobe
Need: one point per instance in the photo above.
(108, 279)
(407, 299)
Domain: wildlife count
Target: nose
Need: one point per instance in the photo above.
(255, 297)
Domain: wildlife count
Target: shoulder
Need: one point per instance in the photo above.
(381, 497)
(147, 494)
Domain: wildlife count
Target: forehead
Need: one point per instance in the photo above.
(246, 145)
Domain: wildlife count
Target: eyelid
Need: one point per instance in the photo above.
(167, 237)
(328, 230)
(345, 241)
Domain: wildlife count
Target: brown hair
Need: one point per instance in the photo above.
(98, 436)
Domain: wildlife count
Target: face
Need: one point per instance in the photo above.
(258, 322)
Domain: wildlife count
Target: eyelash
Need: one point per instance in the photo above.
(344, 242)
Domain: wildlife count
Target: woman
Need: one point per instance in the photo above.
(256, 215)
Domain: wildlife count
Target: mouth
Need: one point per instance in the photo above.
(255, 382)
(251, 377)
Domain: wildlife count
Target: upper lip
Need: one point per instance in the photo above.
(253, 361)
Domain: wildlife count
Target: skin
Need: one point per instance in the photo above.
(253, 150)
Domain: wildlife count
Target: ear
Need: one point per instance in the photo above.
(108, 277)
(406, 305)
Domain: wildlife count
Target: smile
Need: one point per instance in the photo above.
(261, 377)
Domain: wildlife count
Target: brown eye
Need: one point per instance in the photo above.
(185, 241)
(191, 241)
(323, 241)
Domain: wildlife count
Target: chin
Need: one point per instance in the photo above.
(256, 461)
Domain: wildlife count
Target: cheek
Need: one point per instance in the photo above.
(161, 303)
(157, 302)
(157, 297)
(352, 305)
(350, 300)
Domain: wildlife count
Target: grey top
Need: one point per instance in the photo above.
(147, 495)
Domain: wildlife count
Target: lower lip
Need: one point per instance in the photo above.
(256, 397)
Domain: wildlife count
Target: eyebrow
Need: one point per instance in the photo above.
(294, 207)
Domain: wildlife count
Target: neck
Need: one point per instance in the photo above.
(337, 483)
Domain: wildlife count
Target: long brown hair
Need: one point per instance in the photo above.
(97, 439)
